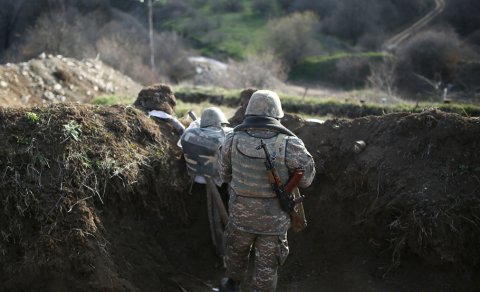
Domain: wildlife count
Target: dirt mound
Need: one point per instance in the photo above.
(156, 97)
(97, 198)
(84, 189)
(407, 204)
(51, 79)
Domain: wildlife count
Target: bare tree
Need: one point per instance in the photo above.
(382, 76)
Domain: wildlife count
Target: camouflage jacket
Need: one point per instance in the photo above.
(263, 215)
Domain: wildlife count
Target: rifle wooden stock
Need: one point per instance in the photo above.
(294, 180)
(297, 215)
(299, 222)
(288, 194)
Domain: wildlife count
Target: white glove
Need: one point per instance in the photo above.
(160, 114)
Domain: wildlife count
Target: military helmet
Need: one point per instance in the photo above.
(264, 103)
(212, 116)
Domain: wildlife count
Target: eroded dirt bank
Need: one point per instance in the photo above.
(53, 79)
(96, 198)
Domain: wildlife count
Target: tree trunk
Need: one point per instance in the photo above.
(150, 33)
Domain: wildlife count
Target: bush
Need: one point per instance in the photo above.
(429, 61)
(260, 71)
(352, 72)
(323, 8)
(353, 19)
(172, 57)
(125, 55)
(66, 33)
(227, 5)
(463, 15)
(264, 7)
(382, 76)
(290, 38)
(340, 70)
(362, 22)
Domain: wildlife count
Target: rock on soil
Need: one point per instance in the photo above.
(97, 198)
(52, 79)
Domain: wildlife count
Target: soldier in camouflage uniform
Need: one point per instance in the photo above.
(256, 220)
(200, 143)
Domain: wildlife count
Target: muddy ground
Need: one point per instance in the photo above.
(97, 198)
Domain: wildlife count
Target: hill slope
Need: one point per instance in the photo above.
(50, 79)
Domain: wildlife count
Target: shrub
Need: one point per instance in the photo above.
(290, 38)
(345, 70)
(429, 60)
(382, 76)
(352, 72)
(66, 33)
(463, 15)
(264, 7)
(227, 5)
(32, 118)
(172, 57)
(352, 19)
(323, 8)
(260, 71)
(125, 55)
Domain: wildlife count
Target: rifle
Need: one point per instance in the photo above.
(288, 201)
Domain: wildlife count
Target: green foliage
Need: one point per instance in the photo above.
(72, 130)
(40, 160)
(329, 69)
(290, 37)
(24, 140)
(199, 98)
(183, 108)
(232, 34)
(32, 118)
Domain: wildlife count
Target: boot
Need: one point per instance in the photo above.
(229, 285)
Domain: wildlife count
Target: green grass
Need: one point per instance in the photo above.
(313, 107)
(32, 118)
(112, 99)
(182, 108)
(323, 69)
(200, 97)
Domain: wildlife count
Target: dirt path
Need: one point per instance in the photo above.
(397, 39)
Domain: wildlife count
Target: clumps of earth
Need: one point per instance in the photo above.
(97, 198)
(52, 79)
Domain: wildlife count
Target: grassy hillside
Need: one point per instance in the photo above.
(328, 69)
(213, 33)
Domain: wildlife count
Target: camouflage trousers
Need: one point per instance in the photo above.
(270, 252)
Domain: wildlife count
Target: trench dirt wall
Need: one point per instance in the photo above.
(114, 211)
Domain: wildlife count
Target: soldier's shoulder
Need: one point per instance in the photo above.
(294, 140)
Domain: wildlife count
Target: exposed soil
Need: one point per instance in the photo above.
(97, 198)
(53, 79)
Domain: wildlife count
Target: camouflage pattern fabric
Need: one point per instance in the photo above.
(200, 148)
(263, 215)
(248, 162)
(259, 223)
(264, 103)
(270, 252)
